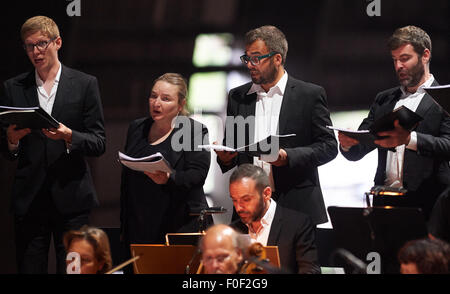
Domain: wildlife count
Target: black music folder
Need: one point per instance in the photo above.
(407, 118)
(34, 118)
(441, 95)
(377, 229)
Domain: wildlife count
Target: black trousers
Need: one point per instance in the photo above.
(34, 230)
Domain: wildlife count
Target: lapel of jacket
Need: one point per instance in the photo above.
(426, 103)
(275, 228)
(384, 109)
(30, 90)
(391, 100)
(176, 155)
(286, 106)
(64, 90)
(249, 111)
(408, 163)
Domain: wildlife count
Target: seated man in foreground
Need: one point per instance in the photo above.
(270, 224)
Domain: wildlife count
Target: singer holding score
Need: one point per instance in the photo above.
(419, 159)
(153, 204)
(53, 189)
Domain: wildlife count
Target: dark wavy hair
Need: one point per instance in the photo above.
(431, 256)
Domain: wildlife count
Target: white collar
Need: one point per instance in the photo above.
(267, 219)
(40, 82)
(420, 89)
(280, 86)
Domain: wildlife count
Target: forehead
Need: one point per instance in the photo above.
(409, 268)
(80, 245)
(165, 87)
(243, 187)
(257, 47)
(37, 36)
(402, 50)
(217, 246)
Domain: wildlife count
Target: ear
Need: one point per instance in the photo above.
(101, 264)
(58, 43)
(240, 256)
(278, 59)
(426, 56)
(267, 193)
(182, 104)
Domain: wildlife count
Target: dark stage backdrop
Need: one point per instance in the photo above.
(127, 44)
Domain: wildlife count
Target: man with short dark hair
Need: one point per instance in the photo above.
(53, 191)
(420, 160)
(271, 224)
(277, 104)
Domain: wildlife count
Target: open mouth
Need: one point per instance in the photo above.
(156, 112)
(38, 60)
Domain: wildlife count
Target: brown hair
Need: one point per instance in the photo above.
(413, 35)
(39, 23)
(253, 172)
(99, 241)
(274, 39)
(177, 80)
(431, 256)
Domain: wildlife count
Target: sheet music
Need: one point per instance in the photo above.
(251, 147)
(152, 163)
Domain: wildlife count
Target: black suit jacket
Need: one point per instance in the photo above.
(439, 224)
(42, 161)
(294, 234)
(149, 210)
(304, 112)
(426, 172)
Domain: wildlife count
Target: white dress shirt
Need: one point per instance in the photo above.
(46, 100)
(394, 161)
(262, 235)
(267, 113)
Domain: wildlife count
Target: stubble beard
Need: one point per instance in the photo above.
(415, 75)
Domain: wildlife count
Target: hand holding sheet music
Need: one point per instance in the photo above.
(392, 128)
(153, 163)
(364, 137)
(441, 95)
(34, 118)
(269, 145)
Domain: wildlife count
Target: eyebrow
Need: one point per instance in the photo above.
(403, 55)
(253, 53)
(245, 196)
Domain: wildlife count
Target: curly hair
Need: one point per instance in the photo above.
(431, 256)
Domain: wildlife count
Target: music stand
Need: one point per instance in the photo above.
(183, 238)
(204, 213)
(273, 255)
(162, 259)
(377, 229)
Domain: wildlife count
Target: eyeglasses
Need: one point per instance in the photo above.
(41, 45)
(255, 60)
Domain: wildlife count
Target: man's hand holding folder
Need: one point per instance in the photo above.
(393, 138)
(15, 135)
(388, 139)
(225, 156)
(61, 133)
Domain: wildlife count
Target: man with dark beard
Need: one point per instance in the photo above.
(271, 224)
(277, 104)
(420, 160)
